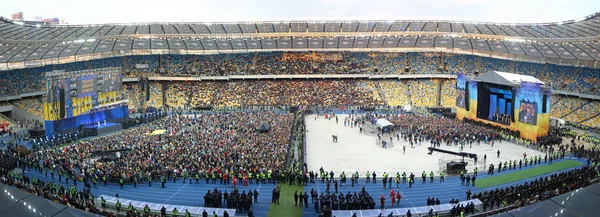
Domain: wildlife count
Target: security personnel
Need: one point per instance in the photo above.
(102, 203)
(197, 178)
(118, 205)
(175, 212)
(135, 181)
(121, 183)
(146, 210)
(163, 180)
(424, 176)
(130, 208)
(403, 177)
(431, 177)
(368, 177)
(475, 171)
(94, 181)
(442, 176)
(149, 180)
(187, 213)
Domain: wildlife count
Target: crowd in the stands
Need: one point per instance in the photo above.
(275, 63)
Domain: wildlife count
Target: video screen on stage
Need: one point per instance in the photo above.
(528, 113)
(86, 86)
(113, 81)
(461, 99)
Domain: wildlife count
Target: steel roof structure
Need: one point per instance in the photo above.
(574, 42)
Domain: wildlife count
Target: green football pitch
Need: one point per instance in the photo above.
(524, 174)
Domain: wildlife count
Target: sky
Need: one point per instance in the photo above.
(136, 11)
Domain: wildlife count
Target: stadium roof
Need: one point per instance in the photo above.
(504, 78)
(570, 42)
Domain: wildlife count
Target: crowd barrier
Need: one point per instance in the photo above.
(415, 211)
(155, 207)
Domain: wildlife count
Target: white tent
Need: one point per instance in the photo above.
(381, 123)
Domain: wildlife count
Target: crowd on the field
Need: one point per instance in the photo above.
(437, 130)
(205, 145)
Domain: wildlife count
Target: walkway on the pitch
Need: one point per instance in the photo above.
(175, 193)
(418, 194)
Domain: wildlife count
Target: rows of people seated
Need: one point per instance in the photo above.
(296, 93)
(395, 92)
(156, 95)
(32, 105)
(423, 93)
(563, 105)
(562, 77)
(592, 122)
(448, 95)
(133, 94)
(21, 81)
(312, 93)
(588, 110)
(178, 94)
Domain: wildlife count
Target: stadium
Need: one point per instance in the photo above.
(369, 117)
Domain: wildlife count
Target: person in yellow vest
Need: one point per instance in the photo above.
(130, 207)
(187, 213)
(175, 212)
(146, 210)
(442, 176)
(118, 205)
(431, 177)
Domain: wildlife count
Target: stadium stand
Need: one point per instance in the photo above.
(567, 78)
(448, 98)
(423, 93)
(32, 105)
(396, 92)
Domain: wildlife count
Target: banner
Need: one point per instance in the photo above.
(460, 91)
(86, 86)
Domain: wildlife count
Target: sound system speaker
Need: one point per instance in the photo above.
(454, 167)
(544, 98)
(467, 97)
(514, 104)
(147, 90)
(61, 103)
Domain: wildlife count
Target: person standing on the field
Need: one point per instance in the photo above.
(374, 178)
(296, 198)
(431, 177)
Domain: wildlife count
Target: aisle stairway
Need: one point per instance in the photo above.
(439, 93)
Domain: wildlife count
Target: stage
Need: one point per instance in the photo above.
(109, 127)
